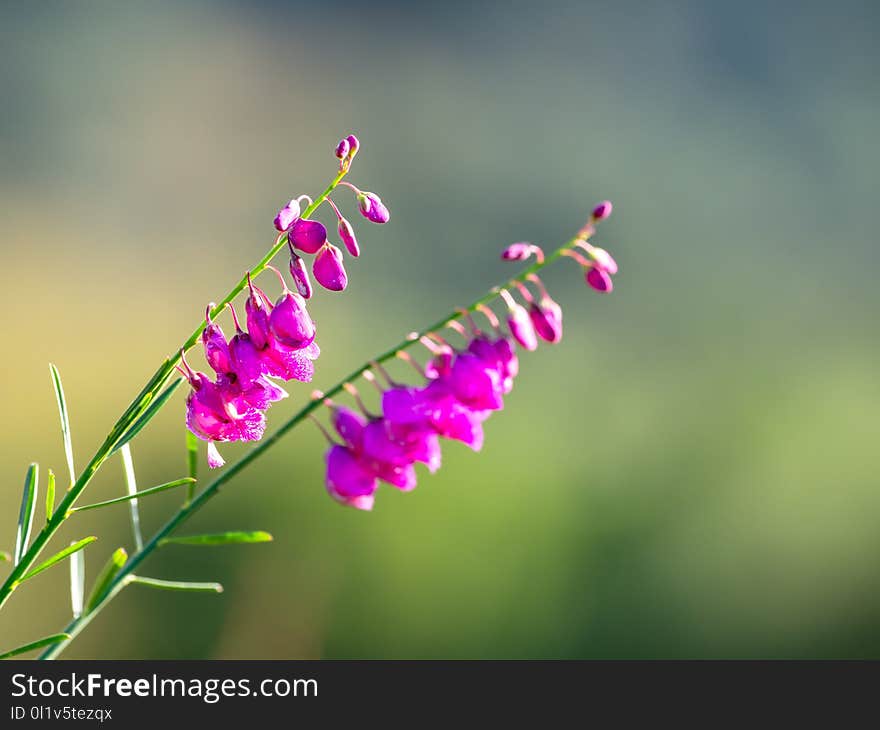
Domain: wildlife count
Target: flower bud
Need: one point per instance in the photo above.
(300, 275)
(546, 317)
(290, 322)
(517, 251)
(346, 233)
(307, 235)
(372, 208)
(328, 269)
(342, 149)
(257, 309)
(287, 215)
(604, 260)
(353, 146)
(602, 211)
(521, 327)
(599, 280)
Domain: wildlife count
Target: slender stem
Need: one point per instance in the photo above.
(137, 408)
(189, 509)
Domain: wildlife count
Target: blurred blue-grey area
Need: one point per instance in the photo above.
(692, 472)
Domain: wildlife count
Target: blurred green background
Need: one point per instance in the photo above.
(691, 473)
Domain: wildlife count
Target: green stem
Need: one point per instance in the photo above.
(135, 410)
(189, 509)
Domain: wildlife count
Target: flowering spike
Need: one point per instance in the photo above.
(307, 236)
(328, 268)
(300, 275)
(372, 208)
(287, 215)
(346, 233)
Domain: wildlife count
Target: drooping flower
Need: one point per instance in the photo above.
(307, 235)
(329, 269)
(372, 208)
(346, 235)
(546, 316)
(290, 323)
(300, 275)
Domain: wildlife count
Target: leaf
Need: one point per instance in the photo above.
(153, 408)
(38, 644)
(108, 573)
(59, 556)
(192, 460)
(77, 582)
(176, 585)
(131, 486)
(26, 513)
(4, 556)
(135, 495)
(219, 538)
(50, 496)
(65, 421)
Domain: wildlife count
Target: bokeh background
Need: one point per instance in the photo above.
(693, 472)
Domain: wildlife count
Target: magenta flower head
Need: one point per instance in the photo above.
(307, 236)
(342, 149)
(602, 211)
(300, 275)
(348, 480)
(246, 360)
(372, 208)
(287, 215)
(346, 233)
(546, 316)
(290, 323)
(328, 268)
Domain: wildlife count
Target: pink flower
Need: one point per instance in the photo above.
(546, 316)
(341, 150)
(328, 268)
(290, 323)
(372, 208)
(307, 236)
(287, 215)
(300, 275)
(348, 481)
(346, 235)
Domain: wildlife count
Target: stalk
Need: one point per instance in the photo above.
(190, 508)
(136, 409)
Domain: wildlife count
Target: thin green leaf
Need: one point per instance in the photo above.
(192, 461)
(127, 497)
(59, 556)
(176, 585)
(131, 486)
(26, 513)
(38, 644)
(77, 582)
(65, 420)
(151, 410)
(4, 556)
(50, 496)
(219, 538)
(108, 573)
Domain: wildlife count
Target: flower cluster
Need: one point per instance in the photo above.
(310, 237)
(279, 343)
(461, 388)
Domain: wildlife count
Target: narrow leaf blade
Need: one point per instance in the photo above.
(59, 556)
(38, 644)
(147, 415)
(219, 538)
(192, 461)
(135, 495)
(65, 420)
(108, 573)
(177, 585)
(50, 496)
(77, 582)
(26, 513)
(131, 486)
